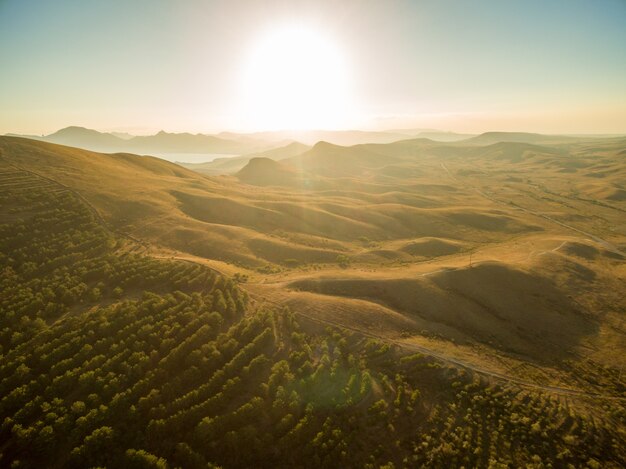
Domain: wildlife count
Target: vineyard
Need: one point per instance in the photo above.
(112, 358)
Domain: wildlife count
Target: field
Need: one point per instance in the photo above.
(463, 299)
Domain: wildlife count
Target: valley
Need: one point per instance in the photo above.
(501, 262)
(312, 234)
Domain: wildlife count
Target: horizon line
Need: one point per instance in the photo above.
(216, 133)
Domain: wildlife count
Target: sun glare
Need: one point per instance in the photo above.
(295, 78)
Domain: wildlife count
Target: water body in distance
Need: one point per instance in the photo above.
(191, 157)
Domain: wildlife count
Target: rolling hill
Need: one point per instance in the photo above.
(489, 138)
(384, 295)
(267, 172)
(397, 209)
(233, 164)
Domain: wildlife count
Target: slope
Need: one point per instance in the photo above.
(221, 219)
(266, 172)
(489, 138)
(233, 164)
(112, 358)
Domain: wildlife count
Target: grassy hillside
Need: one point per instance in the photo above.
(373, 214)
(114, 357)
(221, 219)
(267, 172)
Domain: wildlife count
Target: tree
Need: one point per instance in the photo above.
(140, 459)
(343, 261)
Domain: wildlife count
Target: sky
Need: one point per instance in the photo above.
(550, 66)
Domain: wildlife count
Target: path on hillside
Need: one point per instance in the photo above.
(426, 351)
(472, 367)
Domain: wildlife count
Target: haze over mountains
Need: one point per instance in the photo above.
(162, 142)
(494, 140)
(171, 144)
(276, 145)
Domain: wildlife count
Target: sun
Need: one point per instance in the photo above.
(295, 77)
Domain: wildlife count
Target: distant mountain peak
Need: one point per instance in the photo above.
(519, 137)
(262, 171)
(495, 133)
(75, 129)
(324, 145)
(262, 163)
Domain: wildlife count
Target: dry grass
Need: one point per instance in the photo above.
(542, 223)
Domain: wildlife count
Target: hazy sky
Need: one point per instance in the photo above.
(204, 66)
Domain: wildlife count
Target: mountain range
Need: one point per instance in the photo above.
(228, 143)
(161, 142)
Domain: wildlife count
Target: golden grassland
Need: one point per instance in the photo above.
(506, 256)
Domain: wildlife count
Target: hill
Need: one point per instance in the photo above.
(444, 136)
(489, 138)
(233, 164)
(85, 138)
(433, 134)
(181, 143)
(267, 172)
(419, 292)
(516, 152)
(149, 360)
(335, 160)
(376, 206)
(513, 308)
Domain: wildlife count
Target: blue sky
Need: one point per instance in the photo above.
(547, 66)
